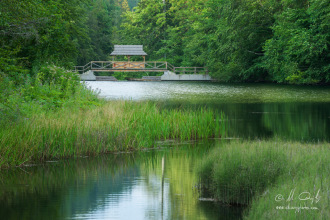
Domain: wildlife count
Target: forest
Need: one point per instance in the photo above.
(282, 41)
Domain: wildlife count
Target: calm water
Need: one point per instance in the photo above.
(157, 184)
(299, 113)
(161, 184)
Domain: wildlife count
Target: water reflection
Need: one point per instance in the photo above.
(148, 185)
(288, 121)
(300, 113)
(207, 92)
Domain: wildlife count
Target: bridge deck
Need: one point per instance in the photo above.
(126, 66)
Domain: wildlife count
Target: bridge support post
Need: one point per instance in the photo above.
(170, 76)
(88, 76)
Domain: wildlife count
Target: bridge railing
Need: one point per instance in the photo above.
(83, 69)
(137, 66)
(170, 67)
(124, 65)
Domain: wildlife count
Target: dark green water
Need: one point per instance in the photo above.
(300, 113)
(161, 184)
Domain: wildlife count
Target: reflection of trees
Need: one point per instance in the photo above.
(83, 186)
(298, 121)
(63, 189)
(242, 122)
(180, 173)
(182, 195)
(183, 191)
(293, 121)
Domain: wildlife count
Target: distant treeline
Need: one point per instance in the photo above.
(285, 41)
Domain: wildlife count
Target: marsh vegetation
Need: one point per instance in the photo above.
(274, 179)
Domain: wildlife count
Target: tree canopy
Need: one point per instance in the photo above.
(281, 41)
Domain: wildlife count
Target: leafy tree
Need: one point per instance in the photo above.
(99, 25)
(225, 35)
(146, 25)
(181, 20)
(236, 31)
(299, 50)
(46, 31)
(124, 5)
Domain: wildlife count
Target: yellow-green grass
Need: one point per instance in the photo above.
(114, 126)
(263, 175)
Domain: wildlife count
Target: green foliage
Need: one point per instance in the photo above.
(58, 76)
(194, 33)
(282, 41)
(99, 28)
(44, 30)
(299, 50)
(257, 172)
(146, 26)
(52, 88)
(236, 37)
(57, 31)
(37, 32)
(11, 67)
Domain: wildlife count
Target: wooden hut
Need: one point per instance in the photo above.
(128, 50)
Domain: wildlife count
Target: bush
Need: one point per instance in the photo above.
(51, 88)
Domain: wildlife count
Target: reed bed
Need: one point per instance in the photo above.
(112, 127)
(263, 175)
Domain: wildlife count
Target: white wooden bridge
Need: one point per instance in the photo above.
(170, 71)
(132, 66)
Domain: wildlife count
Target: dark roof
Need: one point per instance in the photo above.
(128, 50)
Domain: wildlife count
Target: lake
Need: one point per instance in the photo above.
(161, 183)
(299, 113)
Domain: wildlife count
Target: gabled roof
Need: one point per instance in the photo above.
(128, 50)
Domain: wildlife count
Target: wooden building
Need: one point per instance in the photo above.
(128, 51)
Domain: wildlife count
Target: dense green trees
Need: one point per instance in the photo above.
(282, 41)
(44, 31)
(237, 30)
(58, 31)
(299, 51)
(276, 40)
(146, 25)
(37, 39)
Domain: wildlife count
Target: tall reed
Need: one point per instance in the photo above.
(114, 126)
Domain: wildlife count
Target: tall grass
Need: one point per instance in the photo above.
(114, 126)
(255, 173)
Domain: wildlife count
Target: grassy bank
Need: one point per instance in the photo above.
(263, 175)
(113, 126)
(52, 115)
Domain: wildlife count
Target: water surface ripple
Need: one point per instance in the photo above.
(211, 92)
